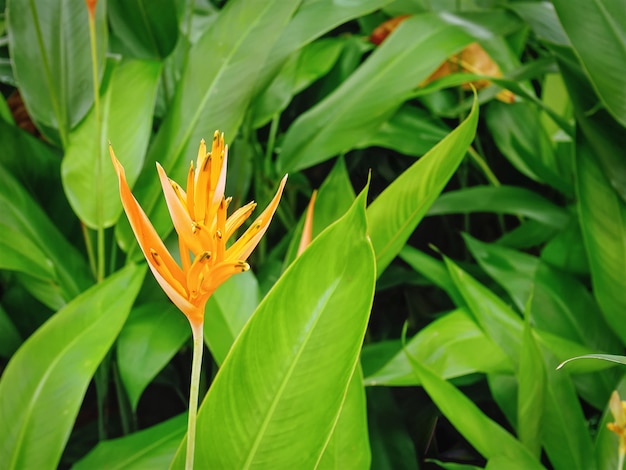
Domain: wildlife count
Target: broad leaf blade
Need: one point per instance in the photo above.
(127, 107)
(604, 57)
(52, 64)
(38, 394)
(395, 213)
(151, 448)
(314, 318)
(372, 94)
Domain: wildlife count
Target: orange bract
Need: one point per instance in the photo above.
(203, 228)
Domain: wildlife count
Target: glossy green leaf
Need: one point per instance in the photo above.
(452, 346)
(372, 94)
(411, 131)
(227, 311)
(302, 69)
(52, 65)
(518, 133)
(531, 395)
(213, 93)
(148, 29)
(312, 20)
(484, 434)
(564, 435)
(603, 222)
(37, 394)
(503, 200)
(395, 213)
(315, 318)
(35, 246)
(561, 304)
(604, 357)
(151, 448)
(348, 447)
(10, 338)
(604, 57)
(152, 335)
(126, 109)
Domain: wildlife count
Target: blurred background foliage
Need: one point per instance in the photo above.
(518, 262)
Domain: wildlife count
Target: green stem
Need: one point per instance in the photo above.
(196, 365)
(620, 463)
(482, 164)
(99, 195)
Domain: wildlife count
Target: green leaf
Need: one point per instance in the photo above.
(604, 357)
(10, 338)
(531, 395)
(411, 131)
(396, 212)
(518, 133)
(604, 58)
(503, 200)
(35, 246)
(148, 29)
(603, 222)
(484, 434)
(348, 447)
(315, 318)
(228, 57)
(372, 94)
(452, 346)
(152, 335)
(151, 448)
(52, 65)
(126, 124)
(227, 311)
(37, 394)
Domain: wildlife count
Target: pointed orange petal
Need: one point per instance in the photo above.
(307, 231)
(219, 164)
(193, 235)
(238, 217)
(167, 273)
(242, 248)
(222, 271)
(190, 192)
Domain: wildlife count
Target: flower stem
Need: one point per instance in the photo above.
(196, 365)
(620, 463)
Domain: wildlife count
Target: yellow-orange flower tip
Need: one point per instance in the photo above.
(618, 410)
(307, 230)
(203, 228)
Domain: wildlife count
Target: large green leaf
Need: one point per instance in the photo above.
(314, 318)
(452, 346)
(503, 200)
(227, 311)
(153, 334)
(348, 447)
(372, 94)
(151, 448)
(564, 435)
(43, 385)
(487, 436)
(126, 112)
(604, 57)
(395, 213)
(603, 222)
(33, 245)
(213, 93)
(52, 64)
(10, 338)
(148, 29)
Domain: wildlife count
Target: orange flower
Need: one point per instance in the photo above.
(203, 229)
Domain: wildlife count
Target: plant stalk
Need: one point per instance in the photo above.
(196, 366)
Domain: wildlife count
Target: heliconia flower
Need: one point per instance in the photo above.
(203, 228)
(618, 409)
